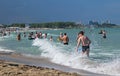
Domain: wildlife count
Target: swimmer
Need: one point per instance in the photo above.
(51, 38)
(85, 41)
(19, 37)
(65, 39)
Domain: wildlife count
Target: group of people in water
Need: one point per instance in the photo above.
(32, 36)
(81, 39)
(4, 33)
(37, 35)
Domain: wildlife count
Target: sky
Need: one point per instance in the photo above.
(37, 11)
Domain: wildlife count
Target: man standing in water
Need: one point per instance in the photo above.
(65, 39)
(85, 41)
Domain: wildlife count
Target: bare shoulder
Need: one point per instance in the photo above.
(79, 39)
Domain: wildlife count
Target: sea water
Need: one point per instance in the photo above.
(104, 53)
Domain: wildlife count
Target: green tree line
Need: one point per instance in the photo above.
(53, 25)
(48, 25)
(21, 25)
(59, 25)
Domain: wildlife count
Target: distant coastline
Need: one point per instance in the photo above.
(59, 25)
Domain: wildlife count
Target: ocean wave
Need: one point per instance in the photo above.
(56, 53)
(2, 49)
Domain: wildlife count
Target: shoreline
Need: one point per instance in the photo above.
(12, 64)
(16, 69)
(44, 63)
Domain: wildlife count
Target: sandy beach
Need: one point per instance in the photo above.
(15, 69)
(12, 64)
(9, 68)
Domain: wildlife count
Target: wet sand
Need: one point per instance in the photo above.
(12, 64)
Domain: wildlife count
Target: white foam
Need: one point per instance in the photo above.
(2, 38)
(52, 34)
(5, 50)
(49, 50)
(57, 54)
(112, 68)
(109, 54)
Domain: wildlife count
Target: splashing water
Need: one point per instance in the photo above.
(104, 53)
(57, 55)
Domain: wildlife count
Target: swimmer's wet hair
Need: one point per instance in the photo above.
(65, 34)
(81, 32)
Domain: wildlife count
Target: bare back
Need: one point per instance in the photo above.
(65, 39)
(85, 41)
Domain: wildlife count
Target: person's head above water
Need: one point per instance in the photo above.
(65, 34)
(81, 32)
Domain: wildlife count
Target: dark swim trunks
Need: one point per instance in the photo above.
(85, 48)
(104, 36)
(65, 43)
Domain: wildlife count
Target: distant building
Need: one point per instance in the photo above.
(108, 22)
(93, 23)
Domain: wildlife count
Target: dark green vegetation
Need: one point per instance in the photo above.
(54, 25)
(60, 25)
(47, 25)
(22, 25)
